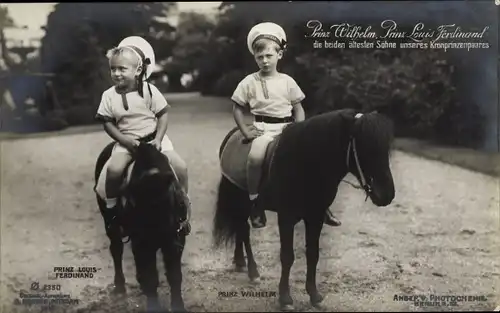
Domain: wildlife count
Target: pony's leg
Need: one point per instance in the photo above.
(253, 273)
(115, 248)
(286, 229)
(313, 233)
(146, 273)
(172, 255)
(239, 257)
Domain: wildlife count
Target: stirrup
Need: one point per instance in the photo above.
(257, 219)
(331, 220)
(112, 221)
(185, 231)
(257, 223)
(128, 239)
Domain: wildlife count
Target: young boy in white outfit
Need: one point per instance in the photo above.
(272, 97)
(131, 115)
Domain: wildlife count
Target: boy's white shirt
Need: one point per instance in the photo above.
(281, 90)
(140, 119)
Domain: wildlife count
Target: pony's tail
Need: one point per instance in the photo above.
(230, 213)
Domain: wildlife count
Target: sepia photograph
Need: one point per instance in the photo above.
(251, 156)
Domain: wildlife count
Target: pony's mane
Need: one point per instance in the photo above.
(333, 129)
(374, 128)
(315, 125)
(148, 158)
(322, 129)
(374, 131)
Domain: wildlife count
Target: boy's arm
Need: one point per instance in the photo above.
(296, 98)
(298, 112)
(161, 126)
(239, 118)
(240, 100)
(160, 108)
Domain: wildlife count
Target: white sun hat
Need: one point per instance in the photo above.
(143, 49)
(266, 30)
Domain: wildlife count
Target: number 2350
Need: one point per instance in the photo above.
(51, 287)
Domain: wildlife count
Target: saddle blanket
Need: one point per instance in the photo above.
(100, 188)
(233, 159)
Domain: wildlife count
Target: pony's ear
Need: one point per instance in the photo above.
(152, 171)
(347, 114)
(143, 146)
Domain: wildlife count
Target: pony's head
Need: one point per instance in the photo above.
(368, 156)
(154, 191)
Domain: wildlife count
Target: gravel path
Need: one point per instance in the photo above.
(439, 237)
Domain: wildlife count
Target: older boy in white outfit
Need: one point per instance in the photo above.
(271, 97)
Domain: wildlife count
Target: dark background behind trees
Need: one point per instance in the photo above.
(448, 97)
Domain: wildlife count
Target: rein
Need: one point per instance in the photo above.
(363, 183)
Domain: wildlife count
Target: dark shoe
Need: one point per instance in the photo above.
(186, 230)
(331, 220)
(123, 232)
(257, 217)
(116, 214)
(187, 203)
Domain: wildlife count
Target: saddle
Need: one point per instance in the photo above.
(234, 156)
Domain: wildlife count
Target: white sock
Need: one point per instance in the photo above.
(110, 203)
(253, 196)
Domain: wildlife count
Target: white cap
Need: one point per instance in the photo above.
(144, 48)
(267, 30)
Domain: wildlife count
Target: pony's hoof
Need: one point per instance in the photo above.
(255, 280)
(119, 291)
(286, 303)
(316, 300)
(156, 310)
(287, 307)
(179, 308)
(154, 306)
(239, 268)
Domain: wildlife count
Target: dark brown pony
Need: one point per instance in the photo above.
(311, 159)
(154, 212)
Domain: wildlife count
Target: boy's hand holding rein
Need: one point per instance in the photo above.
(156, 143)
(252, 132)
(130, 143)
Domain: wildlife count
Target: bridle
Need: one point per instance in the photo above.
(365, 185)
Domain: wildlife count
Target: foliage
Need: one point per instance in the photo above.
(415, 87)
(190, 46)
(418, 89)
(406, 87)
(78, 36)
(225, 85)
(5, 19)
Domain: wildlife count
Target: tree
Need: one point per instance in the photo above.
(415, 87)
(191, 46)
(5, 19)
(79, 34)
(7, 57)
